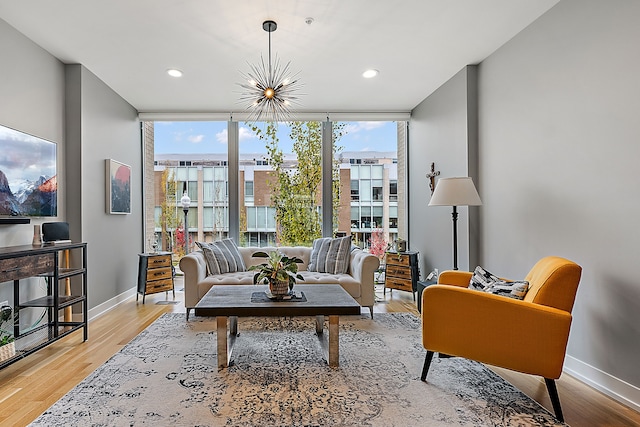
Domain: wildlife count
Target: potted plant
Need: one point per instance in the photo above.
(279, 272)
(7, 345)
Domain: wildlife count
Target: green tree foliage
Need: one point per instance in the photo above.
(296, 190)
(169, 217)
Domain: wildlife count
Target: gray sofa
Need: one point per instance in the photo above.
(358, 281)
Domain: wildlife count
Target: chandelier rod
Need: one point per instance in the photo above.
(270, 72)
(269, 26)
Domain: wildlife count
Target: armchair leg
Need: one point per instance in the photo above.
(371, 310)
(427, 363)
(188, 311)
(555, 399)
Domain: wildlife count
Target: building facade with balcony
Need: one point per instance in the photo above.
(368, 196)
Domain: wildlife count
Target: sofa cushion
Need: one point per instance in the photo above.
(482, 280)
(222, 256)
(329, 255)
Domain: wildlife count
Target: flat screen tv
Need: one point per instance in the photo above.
(28, 185)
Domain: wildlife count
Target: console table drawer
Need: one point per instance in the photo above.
(27, 266)
(159, 286)
(398, 259)
(159, 273)
(159, 261)
(396, 271)
(401, 284)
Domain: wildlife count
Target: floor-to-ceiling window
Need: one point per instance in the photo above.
(369, 160)
(279, 173)
(190, 158)
(283, 164)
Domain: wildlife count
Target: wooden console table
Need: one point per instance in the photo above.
(23, 262)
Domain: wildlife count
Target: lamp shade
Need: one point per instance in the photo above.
(455, 192)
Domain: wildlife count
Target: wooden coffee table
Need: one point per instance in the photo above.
(227, 303)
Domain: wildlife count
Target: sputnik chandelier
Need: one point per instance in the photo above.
(270, 88)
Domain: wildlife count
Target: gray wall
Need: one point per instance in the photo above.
(31, 101)
(558, 175)
(443, 130)
(33, 82)
(90, 123)
(103, 126)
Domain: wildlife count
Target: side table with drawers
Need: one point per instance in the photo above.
(401, 271)
(155, 274)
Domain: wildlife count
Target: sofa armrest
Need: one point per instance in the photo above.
(194, 268)
(362, 267)
(494, 329)
(455, 278)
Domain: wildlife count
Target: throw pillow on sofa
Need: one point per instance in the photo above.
(484, 281)
(222, 256)
(329, 255)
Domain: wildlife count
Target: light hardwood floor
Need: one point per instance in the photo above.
(30, 386)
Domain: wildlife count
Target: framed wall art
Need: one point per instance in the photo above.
(28, 182)
(118, 178)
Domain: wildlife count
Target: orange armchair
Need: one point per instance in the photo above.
(527, 335)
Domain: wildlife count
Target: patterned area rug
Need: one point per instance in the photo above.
(167, 376)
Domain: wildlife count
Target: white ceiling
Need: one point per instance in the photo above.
(417, 45)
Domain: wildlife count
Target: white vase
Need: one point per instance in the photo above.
(37, 239)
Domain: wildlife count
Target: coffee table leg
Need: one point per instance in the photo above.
(233, 325)
(319, 324)
(223, 354)
(225, 345)
(334, 353)
(223, 360)
(331, 343)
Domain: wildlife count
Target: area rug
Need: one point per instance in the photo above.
(168, 376)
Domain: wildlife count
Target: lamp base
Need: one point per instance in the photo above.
(454, 217)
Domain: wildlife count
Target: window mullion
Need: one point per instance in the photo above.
(327, 179)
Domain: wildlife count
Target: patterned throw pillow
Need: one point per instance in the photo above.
(516, 289)
(330, 255)
(222, 256)
(484, 281)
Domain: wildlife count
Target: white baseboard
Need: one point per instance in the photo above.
(619, 390)
(110, 304)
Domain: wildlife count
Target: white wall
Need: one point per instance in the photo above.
(558, 173)
(90, 123)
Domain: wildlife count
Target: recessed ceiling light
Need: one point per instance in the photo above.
(369, 74)
(174, 72)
